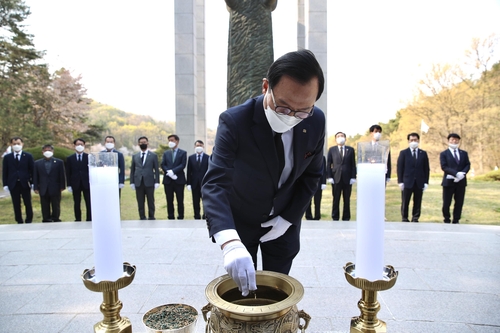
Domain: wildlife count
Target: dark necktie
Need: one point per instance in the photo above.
(143, 157)
(79, 157)
(198, 159)
(456, 156)
(342, 153)
(415, 155)
(173, 155)
(280, 150)
(16, 159)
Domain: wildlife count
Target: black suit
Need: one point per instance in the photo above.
(18, 176)
(77, 176)
(195, 173)
(144, 176)
(413, 174)
(240, 188)
(49, 186)
(176, 186)
(342, 170)
(317, 197)
(452, 189)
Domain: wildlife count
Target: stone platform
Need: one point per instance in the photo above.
(449, 275)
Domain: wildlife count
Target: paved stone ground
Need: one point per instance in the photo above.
(449, 275)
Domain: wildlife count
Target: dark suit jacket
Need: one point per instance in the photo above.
(121, 166)
(176, 166)
(338, 169)
(77, 173)
(241, 184)
(409, 171)
(51, 183)
(22, 170)
(450, 167)
(195, 173)
(149, 172)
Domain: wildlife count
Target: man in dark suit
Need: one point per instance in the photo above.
(455, 164)
(196, 169)
(145, 178)
(77, 177)
(413, 177)
(317, 197)
(265, 168)
(173, 164)
(49, 181)
(17, 178)
(109, 144)
(341, 173)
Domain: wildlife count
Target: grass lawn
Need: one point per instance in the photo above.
(482, 204)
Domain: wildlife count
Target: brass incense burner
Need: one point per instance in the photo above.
(368, 304)
(111, 305)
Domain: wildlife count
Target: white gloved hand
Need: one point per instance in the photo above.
(33, 186)
(352, 181)
(279, 227)
(323, 186)
(188, 187)
(120, 186)
(401, 186)
(174, 177)
(132, 186)
(239, 265)
(330, 181)
(70, 189)
(460, 175)
(388, 180)
(425, 187)
(170, 173)
(6, 189)
(157, 185)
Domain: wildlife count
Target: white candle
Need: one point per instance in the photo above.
(370, 213)
(106, 223)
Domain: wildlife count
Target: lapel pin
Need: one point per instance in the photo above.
(304, 131)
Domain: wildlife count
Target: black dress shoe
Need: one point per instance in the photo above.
(454, 222)
(405, 220)
(180, 217)
(143, 218)
(415, 221)
(151, 218)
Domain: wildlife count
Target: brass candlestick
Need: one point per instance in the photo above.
(111, 305)
(368, 304)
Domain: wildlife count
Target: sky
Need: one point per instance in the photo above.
(377, 51)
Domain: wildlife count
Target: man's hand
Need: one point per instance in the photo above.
(170, 173)
(70, 189)
(460, 175)
(323, 186)
(352, 181)
(330, 181)
(120, 186)
(279, 227)
(132, 186)
(425, 187)
(6, 189)
(188, 187)
(401, 186)
(239, 265)
(157, 185)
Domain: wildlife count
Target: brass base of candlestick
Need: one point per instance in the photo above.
(368, 304)
(111, 305)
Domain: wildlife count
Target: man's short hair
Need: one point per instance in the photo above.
(16, 138)
(413, 134)
(175, 136)
(340, 133)
(375, 127)
(48, 146)
(142, 137)
(79, 139)
(453, 135)
(110, 137)
(300, 65)
(198, 141)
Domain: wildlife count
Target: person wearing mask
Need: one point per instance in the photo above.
(49, 181)
(376, 135)
(413, 177)
(455, 164)
(173, 164)
(145, 178)
(264, 169)
(341, 173)
(196, 169)
(317, 197)
(17, 179)
(77, 178)
(109, 144)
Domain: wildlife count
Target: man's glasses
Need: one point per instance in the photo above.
(287, 111)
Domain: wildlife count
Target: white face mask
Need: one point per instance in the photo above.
(48, 154)
(17, 147)
(109, 145)
(377, 136)
(340, 140)
(453, 145)
(280, 123)
(413, 145)
(198, 150)
(79, 148)
(171, 144)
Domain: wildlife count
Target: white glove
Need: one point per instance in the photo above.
(352, 181)
(188, 187)
(157, 185)
(388, 180)
(425, 187)
(174, 177)
(70, 189)
(460, 175)
(132, 186)
(330, 181)
(323, 186)
(280, 226)
(170, 173)
(401, 186)
(6, 189)
(33, 186)
(120, 186)
(239, 265)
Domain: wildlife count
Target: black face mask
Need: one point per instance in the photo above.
(143, 146)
